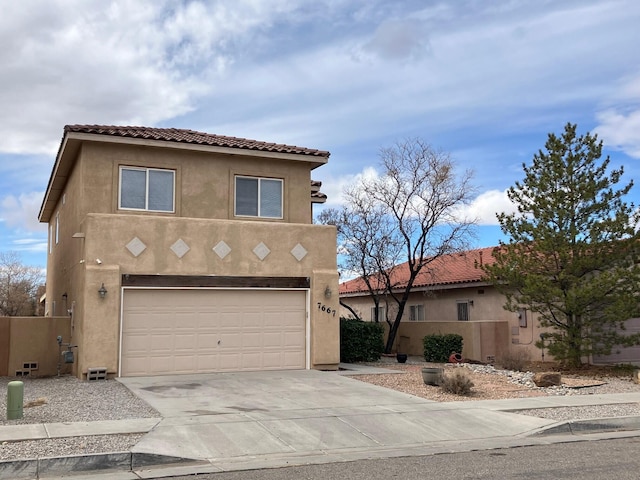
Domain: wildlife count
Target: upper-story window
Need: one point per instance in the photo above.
(258, 197)
(57, 227)
(149, 189)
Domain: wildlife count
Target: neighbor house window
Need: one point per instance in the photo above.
(149, 189)
(416, 313)
(258, 197)
(463, 311)
(381, 314)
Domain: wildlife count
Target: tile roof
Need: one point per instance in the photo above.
(192, 137)
(453, 269)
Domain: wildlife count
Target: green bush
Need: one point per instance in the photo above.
(438, 348)
(360, 341)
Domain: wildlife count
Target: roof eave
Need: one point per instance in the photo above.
(427, 288)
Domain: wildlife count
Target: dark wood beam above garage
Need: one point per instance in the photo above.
(196, 281)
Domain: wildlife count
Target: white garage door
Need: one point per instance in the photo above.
(197, 331)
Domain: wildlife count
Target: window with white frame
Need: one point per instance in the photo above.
(151, 189)
(381, 314)
(258, 197)
(416, 313)
(463, 311)
(57, 227)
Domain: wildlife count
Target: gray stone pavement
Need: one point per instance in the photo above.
(249, 420)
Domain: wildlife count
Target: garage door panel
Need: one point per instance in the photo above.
(620, 354)
(192, 331)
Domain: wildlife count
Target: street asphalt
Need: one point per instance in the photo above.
(252, 420)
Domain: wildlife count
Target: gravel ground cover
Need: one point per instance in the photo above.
(491, 383)
(67, 399)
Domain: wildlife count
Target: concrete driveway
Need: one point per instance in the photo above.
(261, 419)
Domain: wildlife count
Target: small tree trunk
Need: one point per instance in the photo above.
(391, 338)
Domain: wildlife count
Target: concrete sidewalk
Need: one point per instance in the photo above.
(249, 420)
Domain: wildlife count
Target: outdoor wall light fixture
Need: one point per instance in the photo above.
(327, 292)
(102, 291)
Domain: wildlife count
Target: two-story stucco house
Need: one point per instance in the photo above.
(176, 251)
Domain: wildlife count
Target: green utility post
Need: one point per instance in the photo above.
(15, 398)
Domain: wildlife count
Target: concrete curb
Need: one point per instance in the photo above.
(97, 463)
(594, 425)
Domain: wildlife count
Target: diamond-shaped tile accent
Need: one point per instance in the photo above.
(261, 251)
(222, 249)
(180, 248)
(299, 252)
(136, 246)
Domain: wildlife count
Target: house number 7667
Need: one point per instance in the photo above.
(324, 308)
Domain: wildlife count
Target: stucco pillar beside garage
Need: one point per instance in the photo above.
(100, 320)
(325, 320)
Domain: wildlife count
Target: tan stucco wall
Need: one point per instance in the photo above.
(491, 330)
(33, 340)
(204, 181)
(5, 323)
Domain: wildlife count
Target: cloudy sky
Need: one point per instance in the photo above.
(485, 81)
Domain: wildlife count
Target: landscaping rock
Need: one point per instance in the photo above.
(547, 379)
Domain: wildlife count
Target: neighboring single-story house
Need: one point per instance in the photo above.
(451, 296)
(176, 251)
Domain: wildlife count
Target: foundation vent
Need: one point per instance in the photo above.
(30, 366)
(22, 373)
(97, 373)
(491, 359)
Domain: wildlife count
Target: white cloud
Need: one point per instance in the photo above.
(487, 205)
(21, 212)
(31, 245)
(334, 187)
(620, 131)
(122, 62)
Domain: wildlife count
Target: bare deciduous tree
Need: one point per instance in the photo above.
(18, 286)
(410, 213)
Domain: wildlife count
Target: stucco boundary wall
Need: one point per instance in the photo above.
(28, 346)
(482, 341)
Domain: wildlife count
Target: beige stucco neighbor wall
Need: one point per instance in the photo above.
(482, 341)
(97, 321)
(491, 331)
(32, 340)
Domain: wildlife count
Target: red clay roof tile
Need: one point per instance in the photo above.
(456, 268)
(193, 137)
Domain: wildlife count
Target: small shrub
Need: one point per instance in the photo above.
(437, 348)
(457, 382)
(360, 341)
(517, 360)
